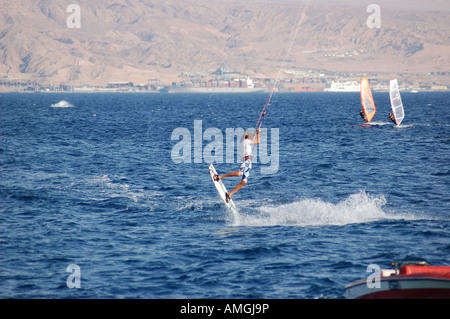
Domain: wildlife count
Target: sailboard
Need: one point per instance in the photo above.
(396, 102)
(367, 102)
(221, 189)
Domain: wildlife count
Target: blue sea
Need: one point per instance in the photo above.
(93, 204)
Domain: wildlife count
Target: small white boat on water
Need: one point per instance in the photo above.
(62, 103)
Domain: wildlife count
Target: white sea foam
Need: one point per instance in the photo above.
(403, 126)
(374, 123)
(115, 186)
(357, 208)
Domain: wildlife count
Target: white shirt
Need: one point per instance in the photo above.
(246, 147)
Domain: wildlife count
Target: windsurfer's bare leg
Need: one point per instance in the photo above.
(238, 173)
(238, 187)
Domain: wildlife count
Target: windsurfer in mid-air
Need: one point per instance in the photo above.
(246, 165)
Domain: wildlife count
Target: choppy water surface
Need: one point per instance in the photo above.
(92, 182)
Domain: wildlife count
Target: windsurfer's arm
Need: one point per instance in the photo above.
(256, 140)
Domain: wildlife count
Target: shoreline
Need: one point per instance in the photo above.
(193, 93)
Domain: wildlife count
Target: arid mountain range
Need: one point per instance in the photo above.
(137, 40)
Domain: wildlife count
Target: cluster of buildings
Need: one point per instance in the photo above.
(293, 81)
(26, 86)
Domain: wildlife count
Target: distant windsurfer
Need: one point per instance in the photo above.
(246, 166)
(363, 115)
(391, 117)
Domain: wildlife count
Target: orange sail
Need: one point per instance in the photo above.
(367, 102)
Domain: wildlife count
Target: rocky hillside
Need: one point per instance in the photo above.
(136, 40)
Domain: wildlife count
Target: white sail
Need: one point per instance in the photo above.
(396, 102)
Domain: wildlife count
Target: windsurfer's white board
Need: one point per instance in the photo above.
(221, 189)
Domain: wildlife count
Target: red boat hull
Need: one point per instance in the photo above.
(429, 293)
(410, 282)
